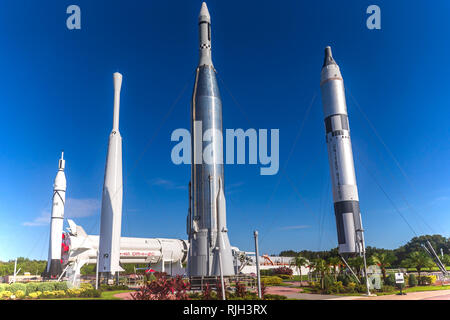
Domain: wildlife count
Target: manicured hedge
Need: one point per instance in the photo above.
(18, 286)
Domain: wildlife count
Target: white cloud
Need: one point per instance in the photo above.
(42, 220)
(80, 208)
(75, 208)
(167, 184)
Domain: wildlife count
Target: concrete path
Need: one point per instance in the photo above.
(124, 295)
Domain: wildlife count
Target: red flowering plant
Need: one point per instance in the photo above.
(283, 270)
(163, 288)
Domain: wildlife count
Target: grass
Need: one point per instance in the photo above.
(410, 289)
(106, 295)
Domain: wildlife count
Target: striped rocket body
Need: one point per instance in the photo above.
(340, 155)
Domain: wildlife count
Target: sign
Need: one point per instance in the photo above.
(374, 282)
(399, 278)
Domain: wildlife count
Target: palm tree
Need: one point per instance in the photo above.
(322, 267)
(300, 262)
(335, 262)
(383, 260)
(357, 263)
(418, 260)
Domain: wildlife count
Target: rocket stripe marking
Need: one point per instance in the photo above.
(56, 192)
(329, 79)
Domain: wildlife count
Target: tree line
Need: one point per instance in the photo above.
(396, 257)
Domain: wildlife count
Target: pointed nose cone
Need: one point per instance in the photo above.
(204, 14)
(328, 57)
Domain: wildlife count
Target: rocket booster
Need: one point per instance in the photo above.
(340, 155)
(111, 212)
(56, 227)
(207, 230)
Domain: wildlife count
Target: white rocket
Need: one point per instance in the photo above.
(111, 216)
(56, 227)
(345, 191)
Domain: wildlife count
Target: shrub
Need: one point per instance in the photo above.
(4, 287)
(48, 294)
(61, 285)
(427, 280)
(263, 290)
(387, 288)
(284, 276)
(74, 292)
(31, 287)
(336, 287)
(390, 280)
(6, 294)
(241, 290)
(164, 288)
(91, 293)
(46, 286)
(351, 287)
(19, 294)
(266, 272)
(86, 286)
(345, 279)
(35, 294)
(433, 279)
(18, 286)
(283, 270)
(412, 280)
(328, 282)
(362, 288)
(274, 297)
(271, 281)
(106, 287)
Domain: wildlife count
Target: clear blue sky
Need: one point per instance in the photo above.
(56, 93)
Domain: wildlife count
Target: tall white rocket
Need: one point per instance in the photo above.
(111, 216)
(56, 228)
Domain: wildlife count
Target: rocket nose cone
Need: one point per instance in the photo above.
(117, 77)
(204, 13)
(328, 57)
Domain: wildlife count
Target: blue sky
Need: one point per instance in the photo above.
(56, 93)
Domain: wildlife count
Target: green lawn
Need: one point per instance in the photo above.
(411, 289)
(106, 295)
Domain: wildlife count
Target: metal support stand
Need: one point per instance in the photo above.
(255, 233)
(350, 269)
(365, 273)
(221, 276)
(96, 274)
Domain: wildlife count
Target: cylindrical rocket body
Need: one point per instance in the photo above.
(207, 163)
(343, 179)
(56, 224)
(207, 168)
(111, 212)
(132, 250)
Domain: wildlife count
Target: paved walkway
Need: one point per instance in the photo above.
(296, 293)
(124, 295)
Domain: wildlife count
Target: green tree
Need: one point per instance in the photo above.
(300, 262)
(321, 267)
(418, 260)
(383, 260)
(335, 262)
